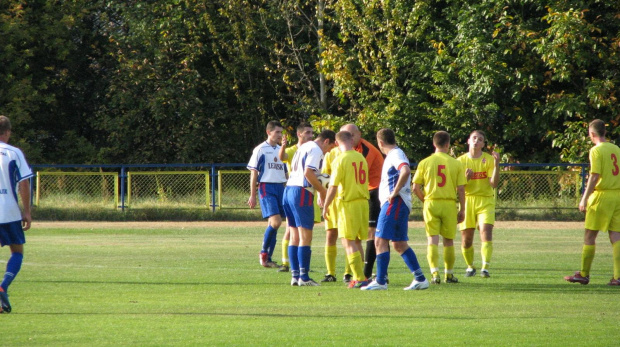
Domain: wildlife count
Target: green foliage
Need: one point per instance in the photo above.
(196, 81)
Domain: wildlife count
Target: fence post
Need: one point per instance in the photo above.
(122, 178)
(213, 181)
(583, 177)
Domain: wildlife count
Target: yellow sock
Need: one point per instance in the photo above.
(616, 252)
(468, 255)
(448, 258)
(587, 256)
(487, 251)
(347, 267)
(357, 266)
(433, 258)
(285, 244)
(330, 259)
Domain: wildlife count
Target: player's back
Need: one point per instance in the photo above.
(13, 168)
(440, 174)
(605, 160)
(350, 174)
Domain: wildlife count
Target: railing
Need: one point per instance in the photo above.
(226, 186)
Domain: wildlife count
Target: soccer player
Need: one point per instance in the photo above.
(349, 184)
(298, 196)
(443, 178)
(268, 174)
(375, 165)
(14, 175)
(331, 225)
(482, 172)
(304, 134)
(601, 203)
(395, 195)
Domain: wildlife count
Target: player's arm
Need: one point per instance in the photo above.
(592, 180)
(417, 190)
(329, 198)
(24, 193)
(253, 188)
(316, 184)
(403, 173)
(282, 155)
(494, 181)
(460, 190)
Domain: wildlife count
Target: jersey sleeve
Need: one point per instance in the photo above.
(254, 160)
(24, 169)
(595, 161)
(290, 152)
(461, 178)
(314, 159)
(336, 173)
(418, 177)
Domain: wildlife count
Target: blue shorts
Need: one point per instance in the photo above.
(393, 221)
(270, 198)
(12, 234)
(299, 207)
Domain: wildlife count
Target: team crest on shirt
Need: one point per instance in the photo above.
(275, 159)
(484, 160)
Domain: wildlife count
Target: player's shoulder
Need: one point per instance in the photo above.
(11, 149)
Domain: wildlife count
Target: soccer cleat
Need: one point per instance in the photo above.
(271, 264)
(358, 284)
(387, 280)
(436, 280)
(4, 299)
(347, 278)
(613, 282)
(484, 273)
(577, 278)
(308, 283)
(283, 268)
(262, 258)
(375, 286)
(451, 279)
(294, 282)
(471, 272)
(415, 285)
(329, 278)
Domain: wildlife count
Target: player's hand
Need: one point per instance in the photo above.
(496, 157)
(321, 200)
(582, 205)
(284, 142)
(460, 217)
(325, 213)
(252, 201)
(26, 220)
(469, 173)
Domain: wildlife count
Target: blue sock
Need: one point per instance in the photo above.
(267, 239)
(294, 263)
(412, 263)
(304, 262)
(383, 260)
(272, 242)
(12, 268)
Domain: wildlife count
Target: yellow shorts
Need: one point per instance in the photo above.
(603, 211)
(353, 219)
(440, 217)
(478, 210)
(332, 219)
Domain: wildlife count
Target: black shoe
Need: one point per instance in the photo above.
(329, 278)
(347, 278)
(283, 268)
(4, 299)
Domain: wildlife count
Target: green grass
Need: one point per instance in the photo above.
(97, 287)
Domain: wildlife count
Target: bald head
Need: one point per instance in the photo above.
(355, 132)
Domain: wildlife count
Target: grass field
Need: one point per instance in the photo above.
(97, 284)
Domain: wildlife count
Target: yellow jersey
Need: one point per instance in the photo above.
(290, 152)
(350, 174)
(440, 174)
(605, 161)
(479, 184)
(329, 159)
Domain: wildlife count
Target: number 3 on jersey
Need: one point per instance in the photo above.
(360, 173)
(440, 169)
(615, 170)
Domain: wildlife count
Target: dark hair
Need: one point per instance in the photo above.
(387, 135)
(344, 136)
(479, 132)
(441, 139)
(302, 126)
(598, 127)
(272, 125)
(327, 135)
(5, 125)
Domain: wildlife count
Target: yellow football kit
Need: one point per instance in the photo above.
(603, 208)
(479, 195)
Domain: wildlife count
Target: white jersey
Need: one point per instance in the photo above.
(265, 160)
(13, 169)
(392, 164)
(309, 155)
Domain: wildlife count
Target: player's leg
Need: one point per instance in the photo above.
(486, 237)
(293, 253)
(13, 235)
(275, 222)
(411, 260)
(614, 238)
(448, 232)
(374, 208)
(432, 224)
(292, 219)
(285, 243)
(331, 237)
(467, 248)
(449, 259)
(432, 256)
(587, 256)
(354, 257)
